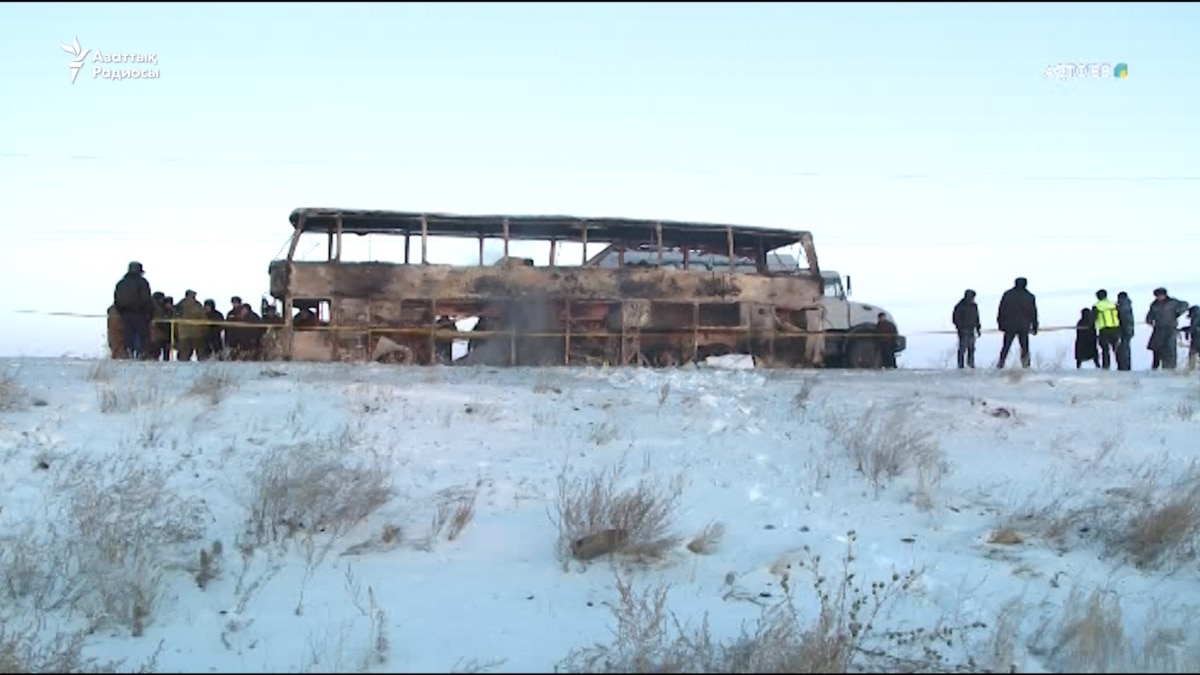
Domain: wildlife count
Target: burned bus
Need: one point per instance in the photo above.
(659, 293)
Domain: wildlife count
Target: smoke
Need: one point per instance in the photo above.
(538, 334)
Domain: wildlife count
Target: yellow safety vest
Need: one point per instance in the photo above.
(1106, 314)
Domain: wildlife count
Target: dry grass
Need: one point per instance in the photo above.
(885, 442)
(604, 433)
(1164, 531)
(1089, 635)
(707, 540)
(1057, 362)
(213, 383)
(12, 394)
(800, 399)
(542, 385)
(1152, 523)
(324, 486)
(105, 555)
(101, 371)
(127, 397)
(642, 514)
(845, 635)
(24, 650)
(1005, 536)
(208, 566)
(454, 509)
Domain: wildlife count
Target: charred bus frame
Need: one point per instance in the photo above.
(657, 314)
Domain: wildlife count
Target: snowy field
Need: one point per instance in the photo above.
(323, 518)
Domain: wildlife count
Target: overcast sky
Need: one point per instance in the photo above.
(923, 145)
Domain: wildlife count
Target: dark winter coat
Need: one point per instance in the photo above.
(1086, 340)
(886, 333)
(1125, 315)
(1165, 313)
(1164, 317)
(244, 337)
(132, 297)
(1018, 311)
(214, 331)
(966, 316)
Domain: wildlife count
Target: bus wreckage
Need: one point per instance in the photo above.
(658, 294)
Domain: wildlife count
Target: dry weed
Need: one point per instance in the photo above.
(105, 555)
(1090, 637)
(604, 433)
(101, 371)
(1153, 522)
(800, 400)
(542, 385)
(213, 383)
(643, 514)
(885, 442)
(844, 636)
(1165, 530)
(317, 487)
(126, 398)
(12, 394)
(476, 666)
(24, 650)
(707, 540)
(208, 566)
(453, 510)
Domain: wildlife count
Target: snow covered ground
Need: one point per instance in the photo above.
(390, 519)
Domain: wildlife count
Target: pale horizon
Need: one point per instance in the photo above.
(923, 145)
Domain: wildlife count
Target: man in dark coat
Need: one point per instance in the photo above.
(966, 322)
(1164, 317)
(244, 342)
(213, 344)
(886, 334)
(1017, 318)
(1125, 317)
(1192, 333)
(133, 301)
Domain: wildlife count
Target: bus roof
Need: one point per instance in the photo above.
(628, 230)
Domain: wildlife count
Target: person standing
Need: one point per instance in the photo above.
(190, 331)
(1193, 337)
(966, 323)
(1017, 318)
(1125, 317)
(1108, 327)
(133, 301)
(886, 334)
(213, 341)
(1086, 339)
(1163, 316)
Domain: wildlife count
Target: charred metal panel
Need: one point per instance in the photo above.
(379, 281)
(311, 346)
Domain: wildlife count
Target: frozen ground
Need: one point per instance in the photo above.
(1049, 517)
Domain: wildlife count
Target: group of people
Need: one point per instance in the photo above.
(150, 326)
(1103, 334)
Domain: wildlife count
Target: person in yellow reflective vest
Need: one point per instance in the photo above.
(1108, 327)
